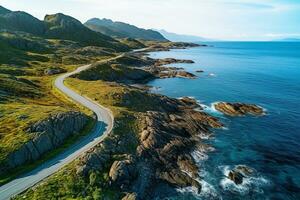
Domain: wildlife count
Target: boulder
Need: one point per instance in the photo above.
(52, 71)
(239, 173)
(180, 179)
(130, 196)
(236, 176)
(122, 172)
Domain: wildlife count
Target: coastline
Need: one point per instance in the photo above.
(158, 143)
(158, 154)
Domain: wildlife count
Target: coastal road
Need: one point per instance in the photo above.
(103, 126)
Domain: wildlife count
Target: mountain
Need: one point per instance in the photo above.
(4, 10)
(21, 21)
(61, 26)
(122, 30)
(174, 37)
(57, 26)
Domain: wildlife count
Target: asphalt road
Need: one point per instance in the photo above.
(102, 128)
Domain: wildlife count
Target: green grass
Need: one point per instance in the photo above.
(66, 184)
(30, 166)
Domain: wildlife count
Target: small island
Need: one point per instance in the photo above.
(238, 109)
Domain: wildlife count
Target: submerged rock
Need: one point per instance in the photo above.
(238, 109)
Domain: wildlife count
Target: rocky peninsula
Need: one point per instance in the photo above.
(238, 109)
(149, 152)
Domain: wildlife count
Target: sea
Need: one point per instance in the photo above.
(263, 73)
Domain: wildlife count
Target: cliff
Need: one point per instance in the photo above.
(46, 135)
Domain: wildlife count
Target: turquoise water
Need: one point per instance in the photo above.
(264, 73)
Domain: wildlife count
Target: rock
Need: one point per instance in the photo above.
(238, 109)
(245, 170)
(122, 172)
(47, 135)
(53, 71)
(239, 173)
(167, 61)
(199, 71)
(191, 102)
(130, 196)
(236, 177)
(179, 179)
(167, 136)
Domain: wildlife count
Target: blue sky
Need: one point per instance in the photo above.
(219, 19)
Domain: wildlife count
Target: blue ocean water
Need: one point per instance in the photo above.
(264, 73)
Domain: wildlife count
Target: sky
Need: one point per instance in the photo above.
(216, 19)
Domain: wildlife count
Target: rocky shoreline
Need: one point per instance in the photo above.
(160, 158)
(168, 135)
(167, 138)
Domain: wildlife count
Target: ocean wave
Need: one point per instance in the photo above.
(199, 155)
(212, 110)
(250, 183)
(207, 191)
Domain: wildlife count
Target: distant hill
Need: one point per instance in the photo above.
(122, 30)
(22, 21)
(174, 37)
(291, 39)
(61, 26)
(57, 26)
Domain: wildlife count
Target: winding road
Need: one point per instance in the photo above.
(103, 126)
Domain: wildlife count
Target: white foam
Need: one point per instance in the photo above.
(207, 191)
(199, 155)
(212, 110)
(250, 184)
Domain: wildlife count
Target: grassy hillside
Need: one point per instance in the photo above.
(123, 30)
(61, 26)
(133, 43)
(125, 103)
(57, 26)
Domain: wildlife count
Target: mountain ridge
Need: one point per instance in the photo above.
(122, 30)
(57, 26)
(175, 37)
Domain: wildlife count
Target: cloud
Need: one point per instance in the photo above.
(248, 5)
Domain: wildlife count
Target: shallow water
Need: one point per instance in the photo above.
(264, 73)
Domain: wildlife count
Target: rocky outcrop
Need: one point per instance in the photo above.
(167, 61)
(122, 172)
(239, 173)
(168, 72)
(52, 71)
(171, 45)
(238, 109)
(130, 196)
(46, 135)
(163, 156)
